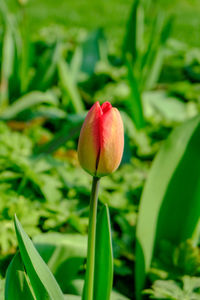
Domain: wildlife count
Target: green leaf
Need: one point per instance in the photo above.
(75, 64)
(130, 39)
(62, 252)
(170, 205)
(46, 70)
(8, 53)
(170, 289)
(103, 275)
(49, 112)
(157, 52)
(72, 297)
(91, 51)
(29, 100)
(117, 296)
(50, 66)
(25, 57)
(42, 281)
(69, 131)
(168, 107)
(2, 289)
(134, 102)
(69, 86)
(17, 286)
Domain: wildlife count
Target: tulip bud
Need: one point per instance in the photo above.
(101, 140)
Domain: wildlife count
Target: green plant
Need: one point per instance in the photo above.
(98, 283)
(26, 82)
(144, 52)
(186, 289)
(171, 190)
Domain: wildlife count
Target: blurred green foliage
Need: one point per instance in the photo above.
(56, 60)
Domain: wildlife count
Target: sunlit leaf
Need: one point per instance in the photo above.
(27, 101)
(42, 281)
(17, 285)
(103, 275)
(170, 202)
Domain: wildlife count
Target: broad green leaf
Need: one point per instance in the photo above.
(103, 269)
(17, 286)
(69, 86)
(29, 100)
(42, 281)
(169, 108)
(170, 205)
(103, 274)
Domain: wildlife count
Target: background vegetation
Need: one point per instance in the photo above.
(56, 59)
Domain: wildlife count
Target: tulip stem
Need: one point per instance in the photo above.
(89, 280)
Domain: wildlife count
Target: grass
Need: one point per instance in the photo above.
(89, 14)
(112, 16)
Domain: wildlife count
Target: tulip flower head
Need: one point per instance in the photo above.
(101, 140)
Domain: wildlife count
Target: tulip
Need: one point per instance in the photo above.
(101, 140)
(100, 150)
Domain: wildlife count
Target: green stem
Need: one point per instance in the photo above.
(89, 280)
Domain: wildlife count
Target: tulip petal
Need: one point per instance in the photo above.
(111, 142)
(89, 142)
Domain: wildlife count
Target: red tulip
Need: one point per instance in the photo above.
(101, 140)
